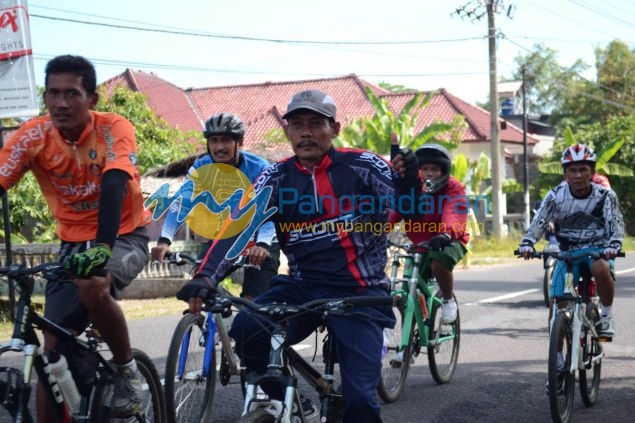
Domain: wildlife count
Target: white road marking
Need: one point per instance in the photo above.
(620, 272)
(529, 291)
(503, 297)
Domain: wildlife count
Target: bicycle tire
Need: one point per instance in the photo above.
(443, 355)
(561, 389)
(152, 398)
(546, 282)
(9, 397)
(591, 348)
(258, 415)
(395, 365)
(190, 399)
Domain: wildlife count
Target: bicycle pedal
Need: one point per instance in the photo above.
(605, 338)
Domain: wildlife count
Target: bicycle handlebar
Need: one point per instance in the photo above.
(410, 248)
(326, 305)
(178, 258)
(16, 271)
(564, 255)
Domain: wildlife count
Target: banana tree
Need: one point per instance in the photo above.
(373, 133)
(603, 157)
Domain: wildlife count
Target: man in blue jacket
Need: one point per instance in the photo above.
(225, 133)
(331, 210)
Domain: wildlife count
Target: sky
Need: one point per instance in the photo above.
(419, 44)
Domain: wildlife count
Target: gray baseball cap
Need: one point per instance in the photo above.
(313, 100)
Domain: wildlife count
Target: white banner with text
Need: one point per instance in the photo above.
(18, 93)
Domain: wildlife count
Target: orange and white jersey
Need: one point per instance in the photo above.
(70, 174)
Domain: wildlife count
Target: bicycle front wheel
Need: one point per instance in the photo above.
(10, 392)
(394, 363)
(443, 344)
(561, 382)
(592, 352)
(189, 393)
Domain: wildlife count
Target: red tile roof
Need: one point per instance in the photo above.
(261, 106)
(167, 100)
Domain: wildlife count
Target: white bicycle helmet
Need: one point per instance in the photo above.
(578, 153)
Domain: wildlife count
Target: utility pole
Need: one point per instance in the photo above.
(473, 12)
(497, 185)
(525, 155)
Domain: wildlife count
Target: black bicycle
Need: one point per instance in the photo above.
(87, 396)
(285, 362)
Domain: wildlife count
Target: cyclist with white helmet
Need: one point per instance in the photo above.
(225, 133)
(586, 215)
(439, 217)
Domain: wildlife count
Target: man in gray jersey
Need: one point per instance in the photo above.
(586, 216)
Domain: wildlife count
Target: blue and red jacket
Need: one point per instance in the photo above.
(330, 221)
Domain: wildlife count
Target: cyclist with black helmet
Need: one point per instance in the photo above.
(586, 215)
(438, 218)
(225, 133)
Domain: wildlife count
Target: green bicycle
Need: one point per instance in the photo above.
(418, 324)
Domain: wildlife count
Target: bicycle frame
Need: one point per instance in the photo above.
(284, 361)
(25, 340)
(416, 286)
(94, 393)
(213, 325)
(575, 306)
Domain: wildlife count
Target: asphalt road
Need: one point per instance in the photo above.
(503, 358)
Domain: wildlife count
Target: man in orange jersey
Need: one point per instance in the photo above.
(86, 165)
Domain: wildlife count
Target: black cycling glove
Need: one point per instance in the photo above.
(412, 168)
(202, 287)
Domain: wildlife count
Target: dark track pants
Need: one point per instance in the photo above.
(359, 340)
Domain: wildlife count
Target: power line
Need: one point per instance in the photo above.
(597, 84)
(107, 62)
(245, 38)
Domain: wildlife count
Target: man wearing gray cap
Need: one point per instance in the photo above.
(317, 187)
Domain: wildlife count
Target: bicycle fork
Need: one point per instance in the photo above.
(581, 319)
(207, 339)
(274, 374)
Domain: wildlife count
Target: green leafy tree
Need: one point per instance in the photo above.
(472, 174)
(396, 88)
(607, 139)
(157, 142)
(373, 133)
(604, 151)
(547, 82)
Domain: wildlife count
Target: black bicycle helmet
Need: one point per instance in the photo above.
(225, 124)
(436, 154)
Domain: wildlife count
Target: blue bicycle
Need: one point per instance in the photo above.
(191, 365)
